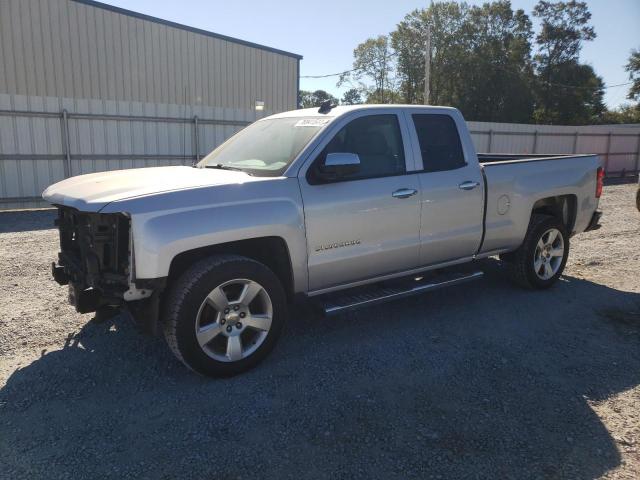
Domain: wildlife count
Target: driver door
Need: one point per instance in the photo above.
(365, 223)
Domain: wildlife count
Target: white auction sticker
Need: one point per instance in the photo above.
(312, 122)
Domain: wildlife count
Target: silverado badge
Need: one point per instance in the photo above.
(329, 246)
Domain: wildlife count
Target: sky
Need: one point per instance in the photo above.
(326, 33)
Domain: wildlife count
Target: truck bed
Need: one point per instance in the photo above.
(514, 182)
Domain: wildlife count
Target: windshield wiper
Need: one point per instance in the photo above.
(220, 166)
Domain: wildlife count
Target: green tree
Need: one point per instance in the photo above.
(633, 67)
(564, 26)
(314, 99)
(305, 99)
(576, 99)
(567, 91)
(409, 40)
(372, 59)
(351, 97)
(482, 62)
(480, 59)
(498, 68)
(623, 114)
(388, 95)
(628, 113)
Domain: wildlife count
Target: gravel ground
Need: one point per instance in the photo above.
(483, 380)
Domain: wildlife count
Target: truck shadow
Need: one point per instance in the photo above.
(481, 380)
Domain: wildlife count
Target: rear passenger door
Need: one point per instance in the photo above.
(451, 189)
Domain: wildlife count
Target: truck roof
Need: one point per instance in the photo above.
(342, 109)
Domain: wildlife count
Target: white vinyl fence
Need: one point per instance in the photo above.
(618, 145)
(44, 140)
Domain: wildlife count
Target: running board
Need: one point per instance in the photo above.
(361, 297)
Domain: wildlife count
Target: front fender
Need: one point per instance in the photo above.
(215, 216)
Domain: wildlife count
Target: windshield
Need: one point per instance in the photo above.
(266, 147)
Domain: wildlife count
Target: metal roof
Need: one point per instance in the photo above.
(149, 18)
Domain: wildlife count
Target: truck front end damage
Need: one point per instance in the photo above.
(94, 258)
(96, 262)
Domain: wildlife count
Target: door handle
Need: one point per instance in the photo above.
(404, 193)
(468, 185)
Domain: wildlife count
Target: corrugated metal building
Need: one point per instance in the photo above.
(85, 86)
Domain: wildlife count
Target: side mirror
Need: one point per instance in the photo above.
(337, 165)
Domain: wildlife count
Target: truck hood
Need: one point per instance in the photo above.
(92, 192)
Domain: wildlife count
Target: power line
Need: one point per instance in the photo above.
(344, 72)
(564, 85)
(605, 87)
(618, 85)
(330, 74)
(588, 87)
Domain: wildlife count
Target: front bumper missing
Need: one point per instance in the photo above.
(95, 262)
(84, 299)
(594, 224)
(93, 259)
(144, 309)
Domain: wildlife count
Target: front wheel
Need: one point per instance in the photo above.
(224, 315)
(541, 258)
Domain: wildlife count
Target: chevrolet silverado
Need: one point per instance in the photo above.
(349, 205)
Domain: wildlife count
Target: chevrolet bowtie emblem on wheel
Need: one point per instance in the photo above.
(337, 245)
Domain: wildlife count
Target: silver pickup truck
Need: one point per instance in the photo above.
(349, 205)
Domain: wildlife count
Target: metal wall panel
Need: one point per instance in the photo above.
(90, 58)
(102, 135)
(109, 135)
(75, 49)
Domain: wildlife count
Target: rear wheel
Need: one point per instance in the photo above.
(541, 258)
(224, 315)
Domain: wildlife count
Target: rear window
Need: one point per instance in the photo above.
(439, 142)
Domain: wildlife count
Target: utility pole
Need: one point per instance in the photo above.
(427, 66)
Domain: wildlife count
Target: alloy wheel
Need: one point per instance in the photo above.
(234, 320)
(549, 253)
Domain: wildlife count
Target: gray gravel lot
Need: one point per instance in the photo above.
(483, 380)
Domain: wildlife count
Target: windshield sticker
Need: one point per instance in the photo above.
(312, 122)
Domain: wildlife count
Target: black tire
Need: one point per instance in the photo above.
(638, 199)
(521, 261)
(187, 294)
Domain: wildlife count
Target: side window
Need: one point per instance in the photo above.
(439, 142)
(377, 141)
